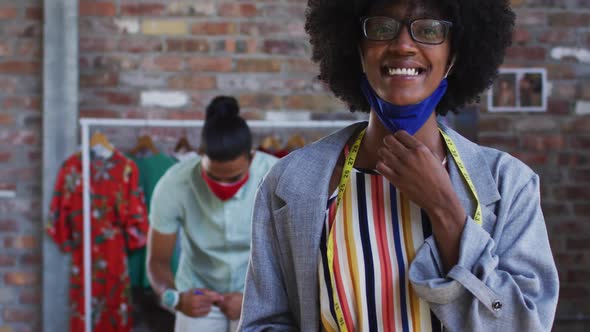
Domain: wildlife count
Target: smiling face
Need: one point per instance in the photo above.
(402, 71)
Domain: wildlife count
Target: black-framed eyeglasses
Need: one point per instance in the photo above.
(425, 31)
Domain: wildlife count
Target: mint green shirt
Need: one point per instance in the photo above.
(215, 235)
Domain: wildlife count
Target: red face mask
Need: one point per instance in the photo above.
(224, 191)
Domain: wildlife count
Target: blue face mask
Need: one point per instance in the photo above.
(410, 117)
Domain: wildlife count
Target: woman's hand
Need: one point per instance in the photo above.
(416, 171)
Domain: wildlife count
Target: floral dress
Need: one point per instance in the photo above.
(119, 221)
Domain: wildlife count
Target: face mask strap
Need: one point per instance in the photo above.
(450, 66)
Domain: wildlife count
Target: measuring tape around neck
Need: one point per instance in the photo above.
(346, 172)
(463, 170)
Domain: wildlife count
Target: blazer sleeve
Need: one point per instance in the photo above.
(507, 282)
(265, 305)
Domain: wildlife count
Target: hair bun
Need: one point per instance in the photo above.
(222, 107)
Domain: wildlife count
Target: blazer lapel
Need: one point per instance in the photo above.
(305, 192)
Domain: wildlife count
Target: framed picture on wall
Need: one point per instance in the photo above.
(519, 90)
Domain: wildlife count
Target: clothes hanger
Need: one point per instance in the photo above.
(270, 143)
(295, 142)
(144, 143)
(183, 145)
(100, 145)
(99, 138)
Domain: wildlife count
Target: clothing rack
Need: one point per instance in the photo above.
(86, 123)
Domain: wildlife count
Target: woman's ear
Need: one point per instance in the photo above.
(450, 66)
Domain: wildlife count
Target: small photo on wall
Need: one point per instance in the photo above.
(504, 88)
(519, 90)
(530, 87)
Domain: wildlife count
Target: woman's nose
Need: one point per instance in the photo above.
(403, 42)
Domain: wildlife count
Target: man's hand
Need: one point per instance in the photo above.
(197, 302)
(231, 306)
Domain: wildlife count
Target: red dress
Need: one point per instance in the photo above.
(119, 221)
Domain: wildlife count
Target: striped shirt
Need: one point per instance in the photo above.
(377, 232)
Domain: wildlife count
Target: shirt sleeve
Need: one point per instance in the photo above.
(60, 225)
(165, 209)
(265, 164)
(134, 210)
(502, 282)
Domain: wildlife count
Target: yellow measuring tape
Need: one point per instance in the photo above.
(348, 165)
(453, 149)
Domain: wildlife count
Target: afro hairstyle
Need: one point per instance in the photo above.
(481, 33)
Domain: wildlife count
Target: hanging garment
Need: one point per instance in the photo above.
(119, 221)
(294, 142)
(151, 169)
(272, 146)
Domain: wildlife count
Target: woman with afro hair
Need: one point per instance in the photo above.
(402, 224)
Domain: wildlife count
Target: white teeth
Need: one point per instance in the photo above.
(403, 71)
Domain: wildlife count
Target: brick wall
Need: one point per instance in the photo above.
(164, 59)
(20, 164)
(556, 144)
(167, 59)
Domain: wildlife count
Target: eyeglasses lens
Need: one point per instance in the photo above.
(426, 31)
(381, 28)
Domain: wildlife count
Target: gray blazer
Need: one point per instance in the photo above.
(505, 279)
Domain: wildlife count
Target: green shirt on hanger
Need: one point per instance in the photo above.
(151, 169)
